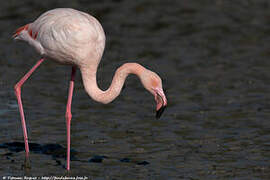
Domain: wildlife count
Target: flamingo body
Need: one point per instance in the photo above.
(65, 35)
(75, 38)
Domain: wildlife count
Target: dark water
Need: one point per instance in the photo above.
(213, 57)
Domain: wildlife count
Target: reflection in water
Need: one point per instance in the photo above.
(57, 152)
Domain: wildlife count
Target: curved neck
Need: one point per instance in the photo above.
(91, 87)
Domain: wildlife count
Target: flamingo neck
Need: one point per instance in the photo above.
(105, 97)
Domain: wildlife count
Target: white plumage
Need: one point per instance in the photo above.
(65, 35)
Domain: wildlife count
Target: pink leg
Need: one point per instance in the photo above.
(17, 88)
(68, 114)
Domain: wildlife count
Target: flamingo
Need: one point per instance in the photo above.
(75, 38)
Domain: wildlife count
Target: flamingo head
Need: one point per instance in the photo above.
(153, 83)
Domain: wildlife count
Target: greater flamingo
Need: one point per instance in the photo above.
(76, 38)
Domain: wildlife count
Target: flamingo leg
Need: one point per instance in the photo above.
(68, 113)
(17, 89)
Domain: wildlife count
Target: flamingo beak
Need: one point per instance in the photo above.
(161, 101)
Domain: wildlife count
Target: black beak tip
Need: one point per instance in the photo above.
(124, 86)
(160, 111)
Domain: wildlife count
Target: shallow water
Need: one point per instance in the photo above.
(213, 57)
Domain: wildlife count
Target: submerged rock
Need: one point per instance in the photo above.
(97, 159)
